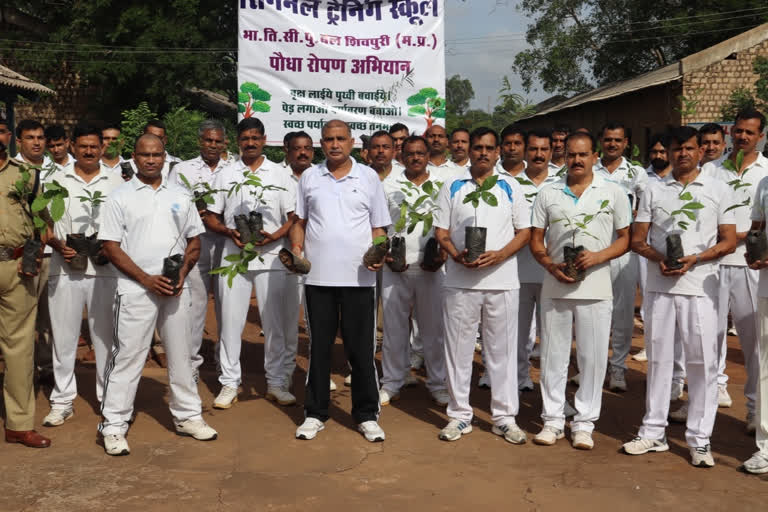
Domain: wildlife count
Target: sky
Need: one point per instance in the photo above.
(482, 39)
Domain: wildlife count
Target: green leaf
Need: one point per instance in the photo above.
(39, 204)
(233, 258)
(185, 181)
(58, 207)
(693, 206)
(427, 225)
(39, 223)
(428, 187)
(690, 215)
(412, 227)
(683, 224)
(489, 183)
(419, 201)
(686, 196)
(604, 204)
(400, 224)
(379, 240)
(490, 199)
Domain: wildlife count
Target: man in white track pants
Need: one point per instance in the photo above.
(603, 210)
(71, 290)
(682, 301)
(274, 197)
(145, 220)
(488, 285)
(415, 289)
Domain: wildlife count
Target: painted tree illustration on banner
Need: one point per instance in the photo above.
(252, 98)
(427, 103)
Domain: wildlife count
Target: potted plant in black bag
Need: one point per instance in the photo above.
(421, 210)
(202, 192)
(579, 225)
(94, 200)
(474, 236)
(251, 225)
(689, 208)
(756, 241)
(173, 263)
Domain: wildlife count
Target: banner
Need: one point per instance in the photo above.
(371, 63)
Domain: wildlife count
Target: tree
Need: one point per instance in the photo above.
(743, 97)
(252, 98)
(512, 106)
(579, 44)
(427, 103)
(458, 94)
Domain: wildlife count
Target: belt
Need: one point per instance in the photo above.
(10, 253)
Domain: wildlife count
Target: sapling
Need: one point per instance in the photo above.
(238, 263)
(202, 192)
(421, 210)
(94, 200)
(688, 210)
(474, 236)
(579, 225)
(756, 241)
(172, 263)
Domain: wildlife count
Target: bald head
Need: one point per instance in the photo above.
(148, 138)
(335, 123)
(149, 156)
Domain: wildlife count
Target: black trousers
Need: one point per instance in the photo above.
(353, 308)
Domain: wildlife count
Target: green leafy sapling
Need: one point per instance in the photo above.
(738, 182)
(482, 192)
(202, 192)
(421, 210)
(579, 224)
(688, 209)
(94, 200)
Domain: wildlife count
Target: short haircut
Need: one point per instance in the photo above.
(26, 125)
(415, 138)
(292, 136)
(147, 136)
(751, 113)
(683, 133)
(381, 133)
(56, 132)
(659, 138)
(156, 123)
(711, 129)
(482, 131)
(614, 125)
(562, 128)
(459, 130)
(84, 130)
(111, 126)
(582, 135)
(250, 123)
(287, 138)
(335, 123)
(512, 129)
(398, 127)
(541, 134)
(217, 126)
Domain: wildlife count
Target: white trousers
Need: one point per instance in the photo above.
(461, 315)
(201, 285)
(530, 298)
(136, 315)
(277, 301)
(67, 296)
(401, 293)
(762, 386)
(589, 320)
(696, 321)
(624, 276)
(738, 292)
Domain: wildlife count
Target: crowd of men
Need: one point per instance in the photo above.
(570, 228)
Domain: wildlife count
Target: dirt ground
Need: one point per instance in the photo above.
(256, 464)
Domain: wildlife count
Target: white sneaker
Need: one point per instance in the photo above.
(639, 446)
(680, 415)
(57, 417)
(309, 429)
(576, 379)
(454, 430)
(417, 361)
(751, 423)
(641, 356)
(332, 386)
(548, 436)
(484, 381)
(410, 380)
(701, 457)
(371, 431)
(280, 395)
(387, 396)
(536, 352)
(569, 410)
(676, 392)
(348, 380)
(196, 429)
(617, 382)
(115, 444)
(723, 398)
(227, 396)
(757, 464)
(441, 397)
(510, 432)
(582, 440)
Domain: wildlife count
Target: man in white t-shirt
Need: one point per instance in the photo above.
(71, 290)
(341, 209)
(681, 295)
(512, 147)
(145, 220)
(272, 197)
(712, 143)
(415, 290)
(440, 166)
(557, 162)
(200, 174)
(460, 147)
(57, 143)
(487, 285)
(567, 304)
(399, 133)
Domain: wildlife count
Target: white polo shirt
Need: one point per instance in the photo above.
(397, 166)
(716, 196)
(557, 202)
(274, 206)
(445, 171)
(512, 213)
(114, 168)
(631, 178)
(652, 176)
(554, 169)
(415, 242)
(759, 213)
(80, 217)
(196, 171)
(150, 225)
(747, 192)
(528, 269)
(69, 165)
(340, 216)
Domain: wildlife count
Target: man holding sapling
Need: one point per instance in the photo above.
(687, 216)
(76, 281)
(482, 222)
(584, 220)
(145, 221)
(743, 170)
(252, 212)
(411, 284)
(341, 209)
(198, 175)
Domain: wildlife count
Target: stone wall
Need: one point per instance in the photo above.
(712, 85)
